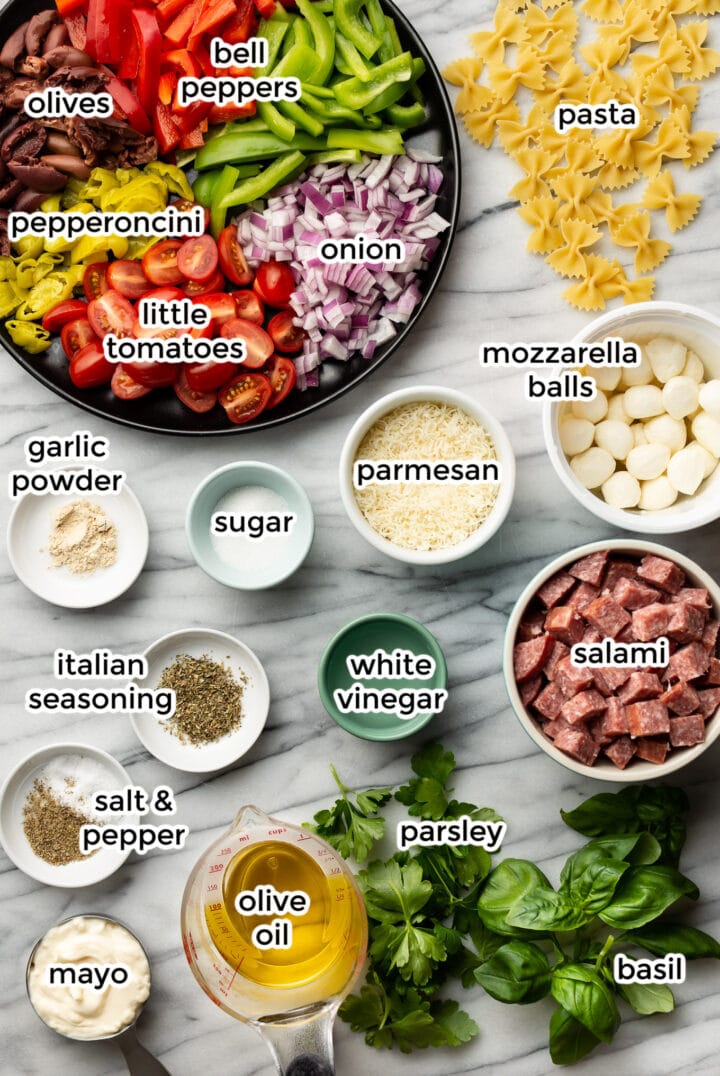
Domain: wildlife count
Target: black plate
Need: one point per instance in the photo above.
(161, 411)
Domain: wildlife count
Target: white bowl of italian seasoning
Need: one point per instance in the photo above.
(427, 475)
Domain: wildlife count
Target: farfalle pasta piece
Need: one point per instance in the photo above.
(568, 259)
(509, 29)
(573, 192)
(613, 177)
(639, 290)
(570, 85)
(540, 213)
(606, 212)
(618, 146)
(701, 7)
(599, 284)
(481, 125)
(700, 143)
(703, 62)
(635, 232)
(536, 163)
(473, 97)
(555, 52)
(671, 53)
(679, 208)
(529, 71)
(660, 89)
(514, 135)
(671, 142)
(539, 25)
(603, 10)
(459, 72)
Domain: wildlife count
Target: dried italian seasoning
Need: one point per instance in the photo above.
(52, 827)
(208, 699)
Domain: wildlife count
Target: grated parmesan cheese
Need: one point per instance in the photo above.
(428, 516)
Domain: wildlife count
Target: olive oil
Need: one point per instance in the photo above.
(325, 940)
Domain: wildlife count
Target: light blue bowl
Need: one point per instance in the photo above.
(204, 502)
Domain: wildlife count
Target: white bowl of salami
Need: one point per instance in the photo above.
(612, 660)
(644, 454)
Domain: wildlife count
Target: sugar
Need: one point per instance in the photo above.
(240, 550)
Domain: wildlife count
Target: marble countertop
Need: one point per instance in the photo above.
(491, 290)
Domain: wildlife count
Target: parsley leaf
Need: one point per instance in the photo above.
(427, 795)
(348, 826)
(394, 897)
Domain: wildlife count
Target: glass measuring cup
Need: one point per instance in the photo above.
(139, 1061)
(289, 994)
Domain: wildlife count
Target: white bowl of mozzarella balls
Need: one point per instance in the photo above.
(644, 454)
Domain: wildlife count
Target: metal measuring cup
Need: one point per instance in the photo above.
(139, 1061)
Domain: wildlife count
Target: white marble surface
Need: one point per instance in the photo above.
(491, 289)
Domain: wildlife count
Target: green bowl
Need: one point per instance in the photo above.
(388, 632)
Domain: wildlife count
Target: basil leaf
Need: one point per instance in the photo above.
(647, 998)
(584, 995)
(606, 814)
(569, 1039)
(637, 848)
(644, 893)
(518, 973)
(544, 909)
(589, 879)
(504, 886)
(664, 938)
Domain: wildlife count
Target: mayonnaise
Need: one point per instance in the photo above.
(81, 1010)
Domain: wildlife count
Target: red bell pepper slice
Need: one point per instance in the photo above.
(265, 7)
(241, 26)
(214, 12)
(168, 9)
(179, 29)
(65, 7)
(127, 103)
(202, 56)
(112, 29)
(193, 139)
(227, 113)
(167, 87)
(130, 62)
(182, 61)
(77, 30)
(149, 40)
(166, 132)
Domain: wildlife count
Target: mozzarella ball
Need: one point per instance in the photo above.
(694, 367)
(664, 430)
(686, 469)
(592, 410)
(667, 357)
(616, 409)
(648, 461)
(642, 374)
(710, 397)
(593, 467)
(706, 430)
(621, 490)
(657, 494)
(576, 434)
(607, 377)
(643, 401)
(615, 437)
(638, 431)
(680, 396)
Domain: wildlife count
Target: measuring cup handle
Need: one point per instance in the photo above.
(140, 1062)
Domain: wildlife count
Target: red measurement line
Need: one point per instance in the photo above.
(237, 969)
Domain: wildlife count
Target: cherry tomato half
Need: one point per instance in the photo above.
(126, 387)
(216, 283)
(197, 401)
(285, 335)
(232, 259)
(160, 263)
(282, 375)
(67, 310)
(197, 258)
(205, 376)
(75, 336)
(112, 313)
(274, 283)
(153, 374)
(245, 397)
(249, 306)
(258, 345)
(184, 205)
(221, 306)
(95, 280)
(89, 368)
(128, 278)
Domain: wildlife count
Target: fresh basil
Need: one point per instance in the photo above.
(518, 973)
(584, 995)
(639, 808)
(647, 998)
(543, 909)
(639, 849)
(664, 938)
(645, 893)
(569, 1040)
(589, 879)
(503, 887)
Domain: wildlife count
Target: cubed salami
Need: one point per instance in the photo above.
(681, 698)
(583, 706)
(687, 731)
(565, 624)
(696, 596)
(712, 676)
(571, 679)
(595, 728)
(553, 592)
(650, 622)
(662, 573)
(549, 701)
(709, 701)
(652, 750)
(640, 685)
(632, 594)
(710, 635)
(529, 657)
(607, 616)
(688, 663)
(648, 718)
(592, 635)
(532, 625)
(530, 689)
(619, 569)
(615, 722)
(611, 677)
(621, 751)
(582, 596)
(686, 623)
(591, 569)
(559, 651)
(578, 744)
(554, 728)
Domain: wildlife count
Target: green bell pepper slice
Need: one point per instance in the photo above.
(352, 93)
(323, 36)
(254, 146)
(405, 116)
(353, 62)
(302, 119)
(395, 93)
(335, 156)
(274, 31)
(300, 62)
(281, 169)
(224, 185)
(388, 141)
(349, 22)
(280, 125)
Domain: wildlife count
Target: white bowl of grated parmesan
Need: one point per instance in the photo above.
(427, 475)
